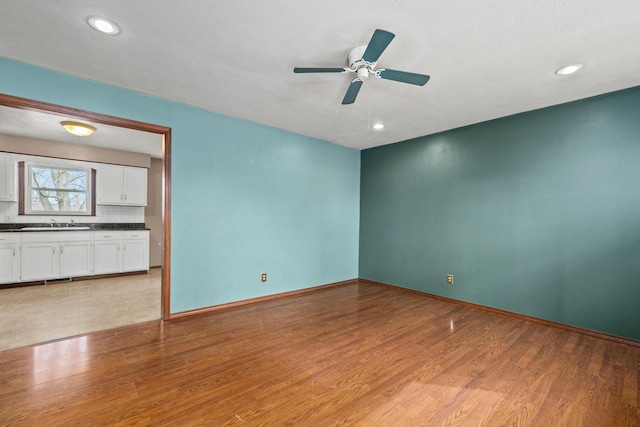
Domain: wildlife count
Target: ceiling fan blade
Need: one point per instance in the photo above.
(352, 92)
(378, 43)
(318, 70)
(403, 76)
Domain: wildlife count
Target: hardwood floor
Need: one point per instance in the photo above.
(357, 354)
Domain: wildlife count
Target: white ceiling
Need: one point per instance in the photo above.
(486, 59)
(33, 124)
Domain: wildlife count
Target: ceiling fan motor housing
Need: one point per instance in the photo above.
(361, 67)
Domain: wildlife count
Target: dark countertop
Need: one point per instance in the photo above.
(92, 226)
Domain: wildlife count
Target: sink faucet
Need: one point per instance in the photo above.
(53, 222)
(72, 223)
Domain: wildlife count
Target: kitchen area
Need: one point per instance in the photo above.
(80, 232)
(82, 238)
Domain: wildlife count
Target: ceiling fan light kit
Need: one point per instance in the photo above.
(362, 62)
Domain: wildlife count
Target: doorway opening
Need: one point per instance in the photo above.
(163, 131)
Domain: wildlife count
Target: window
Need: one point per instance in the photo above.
(55, 190)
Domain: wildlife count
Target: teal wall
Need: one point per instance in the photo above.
(537, 213)
(246, 198)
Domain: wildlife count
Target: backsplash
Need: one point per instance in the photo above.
(104, 214)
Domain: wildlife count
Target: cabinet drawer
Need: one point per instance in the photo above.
(74, 236)
(40, 236)
(140, 234)
(107, 235)
(55, 236)
(6, 238)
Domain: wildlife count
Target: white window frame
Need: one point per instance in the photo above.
(28, 188)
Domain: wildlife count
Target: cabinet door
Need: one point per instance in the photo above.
(39, 261)
(110, 184)
(75, 259)
(107, 257)
(7, 178)
(135, 186)
(9, 265)
(135, 255)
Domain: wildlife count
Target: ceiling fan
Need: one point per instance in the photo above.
(362, 61)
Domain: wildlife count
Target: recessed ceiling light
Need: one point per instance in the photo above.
(378, 126)
(104, 25)
(77, 128)
(569, 69)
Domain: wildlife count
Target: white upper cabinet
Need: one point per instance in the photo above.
(122, 185)
(110, 185)
(135, 186)
(7, 178)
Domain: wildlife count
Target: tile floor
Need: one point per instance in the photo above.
(35, 314)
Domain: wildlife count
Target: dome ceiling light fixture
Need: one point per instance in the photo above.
(78, 129)
(104, 25)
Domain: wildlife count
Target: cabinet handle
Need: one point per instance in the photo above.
(53, 250)
(14, 252)
(61, 250)
(118, 246)
(125, 197)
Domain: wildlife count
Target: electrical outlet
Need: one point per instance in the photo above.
(449, 279)
(264, 277)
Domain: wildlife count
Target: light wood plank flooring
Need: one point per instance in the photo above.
(358, 354)
(34, 314)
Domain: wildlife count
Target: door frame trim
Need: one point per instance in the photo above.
(44, 107)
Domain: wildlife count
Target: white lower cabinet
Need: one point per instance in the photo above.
(9, 258)
(55, 255)
(135, 251)
(76, 259)
(107, 252)
(121, 251)
(49, 255)
(39, 261)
